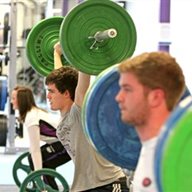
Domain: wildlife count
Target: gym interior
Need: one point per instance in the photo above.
(151, 25)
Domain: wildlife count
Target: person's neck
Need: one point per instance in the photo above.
(66, 108)
(152, 128)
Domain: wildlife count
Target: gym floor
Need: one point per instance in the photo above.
(7, 161)
(7, 183)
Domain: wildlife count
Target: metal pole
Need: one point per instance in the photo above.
(12, 78)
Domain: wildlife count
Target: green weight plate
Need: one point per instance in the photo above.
(166, 131)
(84, 21)
(40, 43)
(177, 157)
(34, 183)
(21, 168)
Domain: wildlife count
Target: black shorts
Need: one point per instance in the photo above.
(53, 155)
(119, 185)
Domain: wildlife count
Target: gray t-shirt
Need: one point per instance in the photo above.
(91, 169)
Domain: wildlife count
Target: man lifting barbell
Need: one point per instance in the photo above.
(151, 85)
(92, 172)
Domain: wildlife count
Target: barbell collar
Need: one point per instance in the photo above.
(100, 36)
(107, 34)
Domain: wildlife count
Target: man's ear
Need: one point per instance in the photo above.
(156, 97)
(66, 93)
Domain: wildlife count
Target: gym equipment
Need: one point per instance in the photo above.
(40, 42)
(6, 29)
(21, 167)
(114, 140)
(23, 176)
(3, 92)
(97, 34)
(3, 118)
(3, 130)
(94, 35)
(172, 155)
(34, 182)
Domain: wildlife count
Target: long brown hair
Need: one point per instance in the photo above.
(25, 100)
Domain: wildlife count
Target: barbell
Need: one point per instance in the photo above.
(94, 35)
(34, 181)
(21, 168)
(28, 180)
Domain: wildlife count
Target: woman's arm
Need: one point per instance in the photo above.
(34, 139)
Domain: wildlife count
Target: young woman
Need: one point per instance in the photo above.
(40, 126)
